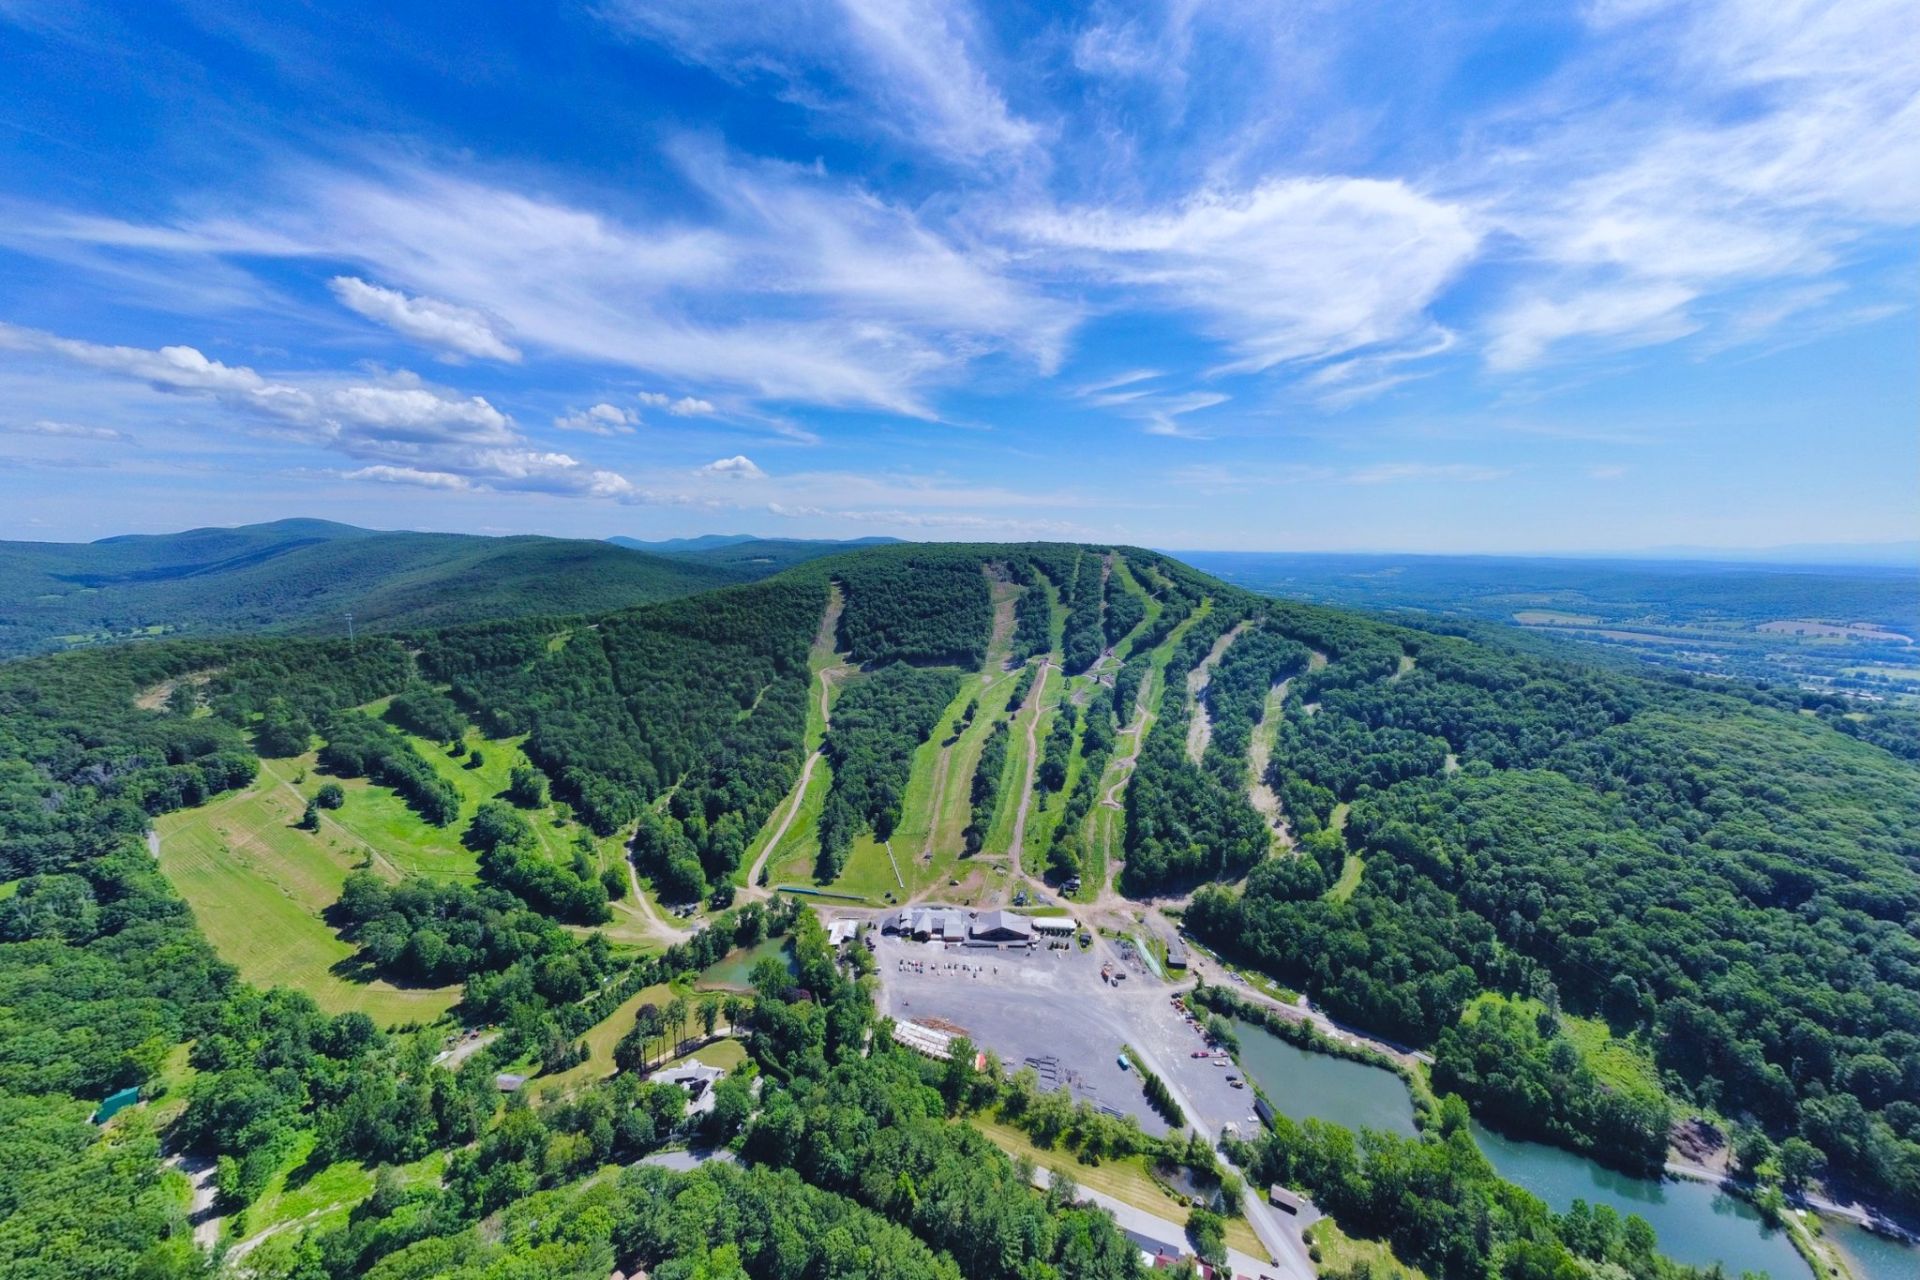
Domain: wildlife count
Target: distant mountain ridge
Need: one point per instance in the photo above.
(716, 541)
(748, 554)
(305, 575)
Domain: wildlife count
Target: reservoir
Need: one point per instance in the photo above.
(1694, 1223)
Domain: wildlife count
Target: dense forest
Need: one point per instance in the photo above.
(1185, 823)
(1726, 876)
(1710, 869)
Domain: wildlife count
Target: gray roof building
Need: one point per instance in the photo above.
(1002, 926)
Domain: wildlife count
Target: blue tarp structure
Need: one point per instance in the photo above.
(116, 1103)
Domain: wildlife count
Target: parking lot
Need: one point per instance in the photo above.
(1050, 1009)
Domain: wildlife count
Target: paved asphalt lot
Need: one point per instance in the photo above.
(1052, 1004)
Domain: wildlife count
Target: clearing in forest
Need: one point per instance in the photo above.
(1259, 756)
(783, 850)
(257, 886)
(1200, 727)
(927, 847)
(1107, 822)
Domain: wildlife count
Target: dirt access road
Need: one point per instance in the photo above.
(823, 647)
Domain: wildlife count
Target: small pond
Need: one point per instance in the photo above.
(735, 969)
(1305, 1085)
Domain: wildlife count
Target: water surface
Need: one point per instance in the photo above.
(1871, 1256)
(1694, 1222)
(735, 969)
(1305, 1085)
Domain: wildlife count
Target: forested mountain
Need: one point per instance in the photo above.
(1727, 876)
(305, 575)
(746, 553)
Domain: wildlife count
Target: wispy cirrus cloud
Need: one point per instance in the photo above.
(796, 288)
(1294, 269)
(908, 68)
(55, 430)
(1793, 140)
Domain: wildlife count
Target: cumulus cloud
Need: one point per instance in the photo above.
(458, 331)
(602, 419)
(684, 407)
(738, 467)
(406, 430)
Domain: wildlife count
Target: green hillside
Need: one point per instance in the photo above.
(1687, 897)
(305, 575)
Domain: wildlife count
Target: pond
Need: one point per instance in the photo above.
(1695, 1223)
(735, 969)
(1873, 1257)
(1305, 1085)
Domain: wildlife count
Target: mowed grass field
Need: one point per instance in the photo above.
(1106, 827)
(259, 886)
(605, 1034)
(928, 844)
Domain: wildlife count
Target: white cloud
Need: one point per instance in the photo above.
(910, 68)
(408, 431)
(684, 407)
(62, 430)
(1633, 314)
(738, 467)
(1788, 133)
(602, 419)
(798, 287)
(1295, 269)
(459, 331)
(412, 476)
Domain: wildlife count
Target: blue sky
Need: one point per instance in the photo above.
(1453, 277)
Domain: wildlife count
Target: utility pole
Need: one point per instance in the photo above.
(349, 627)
